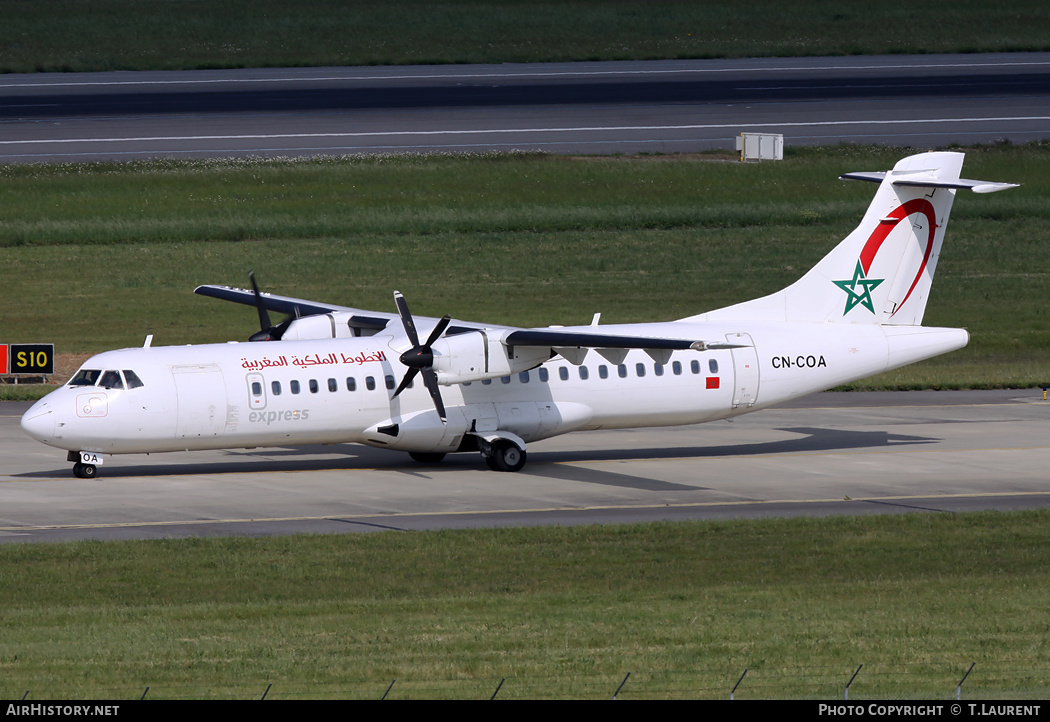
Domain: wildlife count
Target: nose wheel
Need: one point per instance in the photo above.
(87, 463)
(85, 471)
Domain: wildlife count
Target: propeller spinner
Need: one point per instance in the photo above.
(420, 358)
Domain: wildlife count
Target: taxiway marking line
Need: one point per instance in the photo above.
(491, 131)
(609, 507)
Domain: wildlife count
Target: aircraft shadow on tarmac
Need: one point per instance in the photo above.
(546, 464)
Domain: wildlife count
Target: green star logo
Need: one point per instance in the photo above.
(858, 290)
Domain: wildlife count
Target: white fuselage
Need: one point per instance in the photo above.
(240, 395)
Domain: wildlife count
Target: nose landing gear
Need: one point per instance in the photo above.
(87, 463)
(84, 471)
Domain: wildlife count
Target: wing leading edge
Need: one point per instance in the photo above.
(299, 307)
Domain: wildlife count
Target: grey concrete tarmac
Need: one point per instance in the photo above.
(833, 453)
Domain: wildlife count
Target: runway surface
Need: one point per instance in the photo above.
(833, 453)
(611, 107)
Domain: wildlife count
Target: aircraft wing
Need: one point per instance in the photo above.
(296, 306)
(558, 339)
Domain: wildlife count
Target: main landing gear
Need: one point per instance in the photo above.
(504, 455)
(500, 454)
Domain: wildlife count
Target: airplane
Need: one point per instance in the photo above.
(332, 374)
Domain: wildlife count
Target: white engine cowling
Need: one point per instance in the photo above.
(309, 328)
(325, 325)
(480, 355)
(419, 431)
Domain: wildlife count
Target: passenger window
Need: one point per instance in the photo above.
(523, 377)
(351, 383)
(563, 373)
(333, 386)
(676, 367)
(111, 380)
(694, 366)
(85, 377)
(132, 379)
(583, 373)
(658, 369)
(275, 386)
(544, 375)
(504, 379)
(390, 383)
(486, 382)
(313, 386)
(294, 385)
(256, 388)
(639, 369)
(370, 383)
(713, 365)
(622, 371)
(603, 372)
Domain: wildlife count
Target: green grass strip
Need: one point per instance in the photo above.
(560, 612)
(71, 35)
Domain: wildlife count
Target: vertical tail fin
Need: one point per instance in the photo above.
(881, 273)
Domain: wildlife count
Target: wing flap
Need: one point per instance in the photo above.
(567, 338)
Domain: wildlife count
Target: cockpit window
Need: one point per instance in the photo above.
(111, 380)
(133, 379)
(85, 377)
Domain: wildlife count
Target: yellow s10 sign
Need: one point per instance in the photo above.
(32, 358)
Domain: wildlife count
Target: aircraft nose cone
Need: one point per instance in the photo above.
(39, 421)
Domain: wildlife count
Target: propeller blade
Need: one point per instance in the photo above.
(264, 317)
(267, 331)
(406, 318)
(277, 332)
(438, 330)
(420, 358)
(430, 379)
(412, 371)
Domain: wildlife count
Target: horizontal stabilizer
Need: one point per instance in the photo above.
(927, 179)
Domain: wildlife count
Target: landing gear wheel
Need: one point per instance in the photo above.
(84, 471)
(506, 456)
(426, 457)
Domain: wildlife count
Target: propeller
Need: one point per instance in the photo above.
(420, 358)
(267, 332)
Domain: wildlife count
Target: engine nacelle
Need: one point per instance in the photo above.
(419, 431)
(309, 328)
(480, 355)
(338, 324)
